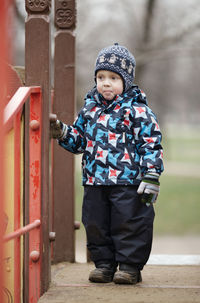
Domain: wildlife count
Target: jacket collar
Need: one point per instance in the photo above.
(133, 93)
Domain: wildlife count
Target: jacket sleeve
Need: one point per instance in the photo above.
(73, 140)
(148, 140)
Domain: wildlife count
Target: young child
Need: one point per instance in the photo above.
(120, 139)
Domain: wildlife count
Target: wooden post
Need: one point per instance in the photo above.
(37, 72)
(63, 106)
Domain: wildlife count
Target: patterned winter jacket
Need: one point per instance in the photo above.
(120, 139)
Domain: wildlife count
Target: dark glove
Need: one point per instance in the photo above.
(149, 188)
(57, 128)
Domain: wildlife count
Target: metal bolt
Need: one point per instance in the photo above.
(52, 236)
(35, 255)
(34, 125)
(77, 225)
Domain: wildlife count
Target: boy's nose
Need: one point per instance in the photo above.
(106, 82)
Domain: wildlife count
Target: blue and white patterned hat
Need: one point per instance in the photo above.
(118, 59)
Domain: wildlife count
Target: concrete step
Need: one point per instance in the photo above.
(161, 283)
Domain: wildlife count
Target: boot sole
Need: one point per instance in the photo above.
(126, 278)
(99, 278)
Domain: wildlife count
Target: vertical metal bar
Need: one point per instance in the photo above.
(35, 178)
(64, 107)
(17, 206)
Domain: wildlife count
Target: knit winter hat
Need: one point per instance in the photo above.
(118, 59)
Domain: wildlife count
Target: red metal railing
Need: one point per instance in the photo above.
(12, 119)
(3, 82)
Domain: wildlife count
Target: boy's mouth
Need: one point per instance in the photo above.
(108, 95)
(107, 92)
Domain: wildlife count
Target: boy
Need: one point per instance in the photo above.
(122, 160)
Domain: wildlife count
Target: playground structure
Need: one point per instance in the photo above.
(36, 180)
(34, 203)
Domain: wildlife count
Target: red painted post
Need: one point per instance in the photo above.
(3, 81)
(17, 206)
(35, 247)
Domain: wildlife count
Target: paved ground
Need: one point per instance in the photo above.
(161, 284)
(176, 245)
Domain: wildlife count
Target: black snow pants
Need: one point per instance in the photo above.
(118, 226)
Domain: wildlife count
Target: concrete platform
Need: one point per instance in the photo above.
(161, 283)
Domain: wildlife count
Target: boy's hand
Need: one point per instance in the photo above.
(56, 127)
(149, 188)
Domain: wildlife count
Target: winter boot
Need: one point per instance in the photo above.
(127, 274)
(103, 273)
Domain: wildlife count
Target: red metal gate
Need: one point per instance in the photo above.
(12, 118)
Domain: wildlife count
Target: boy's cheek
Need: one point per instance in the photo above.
(99, 89)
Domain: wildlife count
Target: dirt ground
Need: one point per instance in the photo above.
(161, 284)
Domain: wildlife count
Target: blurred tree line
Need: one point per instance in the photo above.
(163, 35)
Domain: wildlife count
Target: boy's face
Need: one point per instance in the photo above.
(109, 84)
